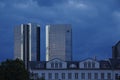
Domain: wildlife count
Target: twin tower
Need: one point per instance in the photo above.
(58, 42)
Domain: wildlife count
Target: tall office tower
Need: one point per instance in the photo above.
(116, 51)
(59, 42)
(27, 42)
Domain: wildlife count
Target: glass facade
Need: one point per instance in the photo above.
(59, 42)
(27, 42)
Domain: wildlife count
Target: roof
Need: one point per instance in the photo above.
(115, 63)
(104, 64)
(54, 59)
(37, 64)
(90, 59)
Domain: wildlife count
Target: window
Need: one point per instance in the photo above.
(83, 75)
(35, 75)
(69, 76)
(68, 31)
(93, 64)
(89, 64)
(43, 75)
(56, 65)
(89, 75)
(76, 75)
(96, 76)
(50, 75)
(63, 75)
(56, 75)
(73, 66)
(85, 64)
(116, 76)
(60, 65)
(52, 65)
(102, 76)
(109, 76)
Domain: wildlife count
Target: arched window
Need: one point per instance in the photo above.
(85, 64)
(93, 64)
(89, 64)
(52, 65)
(56, 65)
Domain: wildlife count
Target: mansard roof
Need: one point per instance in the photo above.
(37, 64)
(55, 59)
(115, 63)
(90, 59)
(104, 64)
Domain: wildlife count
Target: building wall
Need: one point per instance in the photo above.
(18, 42)
(70, 71)
(80, 74)
(59, 42)
(35, 42)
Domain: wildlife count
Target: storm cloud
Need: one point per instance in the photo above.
(95, 24)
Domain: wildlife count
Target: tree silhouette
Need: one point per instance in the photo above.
(13, 70)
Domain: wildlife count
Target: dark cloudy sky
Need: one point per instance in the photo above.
(95, 24)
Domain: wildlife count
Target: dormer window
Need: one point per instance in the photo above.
(56, 65)
(89, 64)
(85, 64)
(52, 65)
(73, 66)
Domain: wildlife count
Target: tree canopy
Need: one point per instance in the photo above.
(13, 70)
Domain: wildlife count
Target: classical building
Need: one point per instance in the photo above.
(59, 64)
(88, 69)
(116, 51)
(59, 42)
(27, 42)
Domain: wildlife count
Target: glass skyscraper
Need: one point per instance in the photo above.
(27, 42)
(59, 42)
